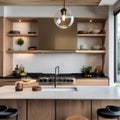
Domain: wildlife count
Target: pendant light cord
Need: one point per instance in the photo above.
(64, 3)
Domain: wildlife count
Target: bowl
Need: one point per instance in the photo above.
(82, 32)
(95, 31)
(26, 79)
(14, 32)
(83, 47)
(97, 47)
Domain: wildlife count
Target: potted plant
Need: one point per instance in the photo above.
(20, 42)
(86, 71)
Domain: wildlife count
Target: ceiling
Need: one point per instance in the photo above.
(55, 2)
(108, 2)
(49, 2)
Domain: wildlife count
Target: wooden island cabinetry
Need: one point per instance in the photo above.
(57, 109)
(35, 109)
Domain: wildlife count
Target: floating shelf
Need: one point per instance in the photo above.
(22, 35)
(40, 51)
(91, 35)
(55, 51)
(91, 51)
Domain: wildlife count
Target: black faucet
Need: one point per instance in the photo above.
(57, 68)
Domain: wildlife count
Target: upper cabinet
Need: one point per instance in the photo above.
(91, 35)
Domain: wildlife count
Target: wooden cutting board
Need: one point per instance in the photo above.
(29, 84)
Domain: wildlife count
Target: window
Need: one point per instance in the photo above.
(117, 46)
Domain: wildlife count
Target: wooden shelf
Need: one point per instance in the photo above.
(91, 35)
(55, 51)
(22, 35)
(91, 51)
(39, 51)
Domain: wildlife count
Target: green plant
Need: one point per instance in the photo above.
(86, 70)
(20, 42)
(118, 67)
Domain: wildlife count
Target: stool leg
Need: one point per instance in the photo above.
(16, 117)
(97, 117)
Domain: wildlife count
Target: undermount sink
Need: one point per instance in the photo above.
(59, 88)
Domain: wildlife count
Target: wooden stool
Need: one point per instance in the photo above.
(76, 117)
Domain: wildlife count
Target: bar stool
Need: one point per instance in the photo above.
(110, 112)
(76, 117)
(7, 112)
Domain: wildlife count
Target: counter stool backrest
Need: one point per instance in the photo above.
(76, 117)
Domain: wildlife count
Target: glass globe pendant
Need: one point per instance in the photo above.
(63, 18)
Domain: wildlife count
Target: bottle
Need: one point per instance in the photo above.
(17, 72)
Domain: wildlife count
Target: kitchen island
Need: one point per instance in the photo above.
(57, 105)
(82, 92)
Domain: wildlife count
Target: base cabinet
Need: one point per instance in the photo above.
(57, 109)
(41, 109)
(67, 108)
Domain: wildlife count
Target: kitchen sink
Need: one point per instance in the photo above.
(59, 88)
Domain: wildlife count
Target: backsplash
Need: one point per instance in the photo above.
(45, 63)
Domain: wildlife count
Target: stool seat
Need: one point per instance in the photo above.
(103, 112)
(114, 109)
(7, 112)
(110, 112)
(76, 117)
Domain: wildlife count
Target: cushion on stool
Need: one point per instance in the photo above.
(113, 108)
(3, 108)
(10, 112)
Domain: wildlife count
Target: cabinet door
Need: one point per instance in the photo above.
(41, 110)
(67, 108)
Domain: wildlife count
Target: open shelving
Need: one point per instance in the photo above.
(91, 35)
(91, 51)
(22, 35)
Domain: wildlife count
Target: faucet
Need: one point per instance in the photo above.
(56, 73)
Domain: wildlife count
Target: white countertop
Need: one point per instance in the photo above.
(84, 92)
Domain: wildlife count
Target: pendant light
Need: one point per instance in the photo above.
(63, 17)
